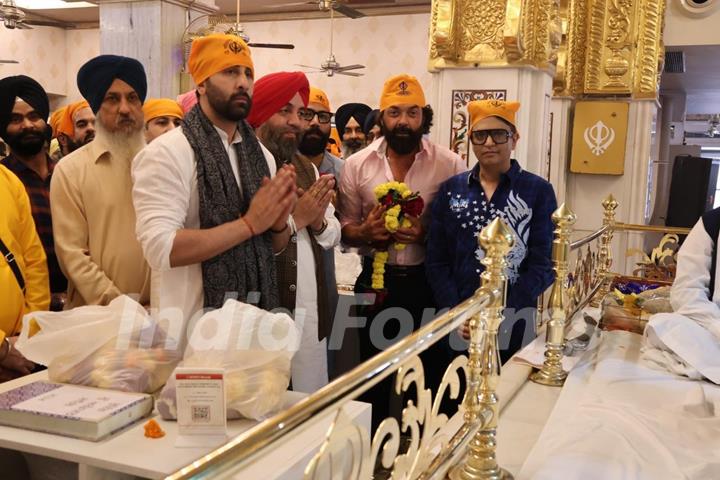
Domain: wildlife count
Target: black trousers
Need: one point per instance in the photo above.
(408, 303)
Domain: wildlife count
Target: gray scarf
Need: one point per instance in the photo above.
(249, 267)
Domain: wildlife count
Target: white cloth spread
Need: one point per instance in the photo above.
(618, 419)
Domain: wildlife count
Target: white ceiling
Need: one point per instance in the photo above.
(700, 82)
(253, 9)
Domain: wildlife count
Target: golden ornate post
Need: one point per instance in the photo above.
(605, 254)
(552, 373)
(481, 402)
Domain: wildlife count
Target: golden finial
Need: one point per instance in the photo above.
(496, 237)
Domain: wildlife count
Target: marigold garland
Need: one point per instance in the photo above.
(399, 202)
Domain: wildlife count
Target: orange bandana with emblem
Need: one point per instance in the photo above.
(480, 109)
(401, 90)
(214, 53)
(318, 96)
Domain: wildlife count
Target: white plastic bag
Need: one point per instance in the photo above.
(254, 347)
(118, 346)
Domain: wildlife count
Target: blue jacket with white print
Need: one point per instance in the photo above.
(460, 210)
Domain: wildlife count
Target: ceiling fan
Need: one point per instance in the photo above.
(331, 66)
(222, 24)
(13, 17)
(325, 5)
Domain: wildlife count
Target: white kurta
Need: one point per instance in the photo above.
(309, 365)
(166, 200)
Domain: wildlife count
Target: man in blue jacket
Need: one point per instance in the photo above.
(496, 187)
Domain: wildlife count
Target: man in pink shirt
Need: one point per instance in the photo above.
(403, 155)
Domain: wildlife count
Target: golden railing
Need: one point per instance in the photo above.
(590, 279)
(474, 443)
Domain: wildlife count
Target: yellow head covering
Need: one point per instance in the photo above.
(67, 123)
(161, 107)
(401, 89)
(318, 96)
(214, 53)
(55, 119)
(480, 109)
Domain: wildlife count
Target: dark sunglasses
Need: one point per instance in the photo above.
(498, 135)
(308, 114)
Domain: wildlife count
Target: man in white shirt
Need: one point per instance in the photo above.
(281, 117)
(209, 218)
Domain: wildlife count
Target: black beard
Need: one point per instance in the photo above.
(283, 149)
(402, 144)
(73, 145)
(314, 142)
(225, 106)
(26, 143)
(353, 145)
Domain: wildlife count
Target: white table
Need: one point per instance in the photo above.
(129, 453)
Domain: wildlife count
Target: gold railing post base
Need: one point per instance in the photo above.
(458, 473)
(555, 379)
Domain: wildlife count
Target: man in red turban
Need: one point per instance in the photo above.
(280, 116)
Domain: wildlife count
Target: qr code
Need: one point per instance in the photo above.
(201, 413)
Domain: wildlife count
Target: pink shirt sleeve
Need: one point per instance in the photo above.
(349, 201)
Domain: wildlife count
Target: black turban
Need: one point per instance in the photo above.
(370, 121)
(20, 86)
(96, 76)
(358, 111)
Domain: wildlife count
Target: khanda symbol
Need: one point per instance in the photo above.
(599, 137)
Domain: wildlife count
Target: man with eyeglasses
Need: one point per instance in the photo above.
(496, 187)
(314, 143)
(402, 155)
(280, 116)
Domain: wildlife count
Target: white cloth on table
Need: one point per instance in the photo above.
(618, 419)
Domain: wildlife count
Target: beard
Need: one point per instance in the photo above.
(228, 107)
(354, 145)
(282, 148)
(402, 140)
(123, 144)
(314, 141)
(73, 145)
(26, 143)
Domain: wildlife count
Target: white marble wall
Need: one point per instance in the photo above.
(386, 45)
(82, 45)
(530, 87)
(51, 56)
(41, 53)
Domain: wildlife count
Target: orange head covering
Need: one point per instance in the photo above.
(480, 109)
(401, 89)
(214, 53)
(318, 96)
(67, 122)
(161, 107)
(55, 119)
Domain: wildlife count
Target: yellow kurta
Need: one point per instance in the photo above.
(17, 230)
(94, 228)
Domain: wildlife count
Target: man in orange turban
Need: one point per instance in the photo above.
(211, 209)
(497, 186)
(161, 115)
(75, 128)
(402, 155)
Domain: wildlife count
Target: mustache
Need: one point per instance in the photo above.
(314, 130)
(240, 95)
